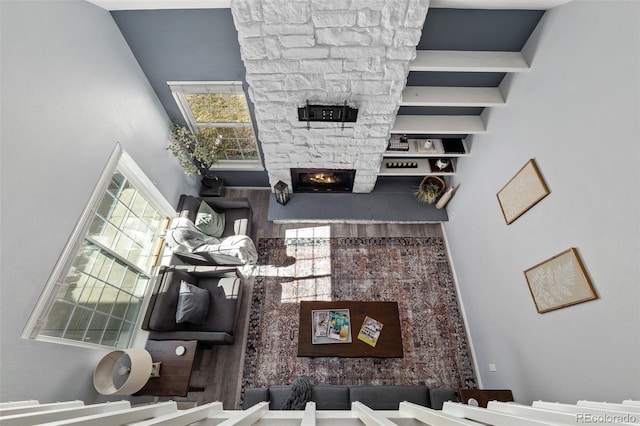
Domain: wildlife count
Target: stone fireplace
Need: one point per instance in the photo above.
(327, 52)
(322, 180)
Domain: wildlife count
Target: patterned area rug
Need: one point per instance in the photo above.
(414, 272)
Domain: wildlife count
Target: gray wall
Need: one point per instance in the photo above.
(71, 89)
(187, 45)
(577, 113)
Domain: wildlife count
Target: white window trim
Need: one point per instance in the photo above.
(179, 88)
(119, 159)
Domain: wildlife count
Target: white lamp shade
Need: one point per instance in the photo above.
(138, 374)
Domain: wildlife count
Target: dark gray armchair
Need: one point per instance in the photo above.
(225, 290)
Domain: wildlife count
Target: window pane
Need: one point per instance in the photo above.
(96, 328)
(218, 108)
(112, 332)
(222, 112)
(121, 305)
(133, 309)
(80, 320)
(100, 297)
(89, 295)
(57, 320)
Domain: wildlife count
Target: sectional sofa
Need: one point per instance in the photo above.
(337, 397)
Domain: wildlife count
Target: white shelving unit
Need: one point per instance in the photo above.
(469, 61)
(438, 124)
(425, 159)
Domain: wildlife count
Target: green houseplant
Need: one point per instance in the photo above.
(430, 189)
(196, 153)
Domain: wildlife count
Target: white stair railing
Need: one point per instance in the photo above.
(25, 403)
(585, 414)
(430, 416)
(9, 411)
(452, 414)
(185, 417)
(39, 417)
(482, 415)
(121, 417)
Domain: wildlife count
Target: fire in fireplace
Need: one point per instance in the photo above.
(322, 180)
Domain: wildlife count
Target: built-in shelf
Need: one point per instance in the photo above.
(438, 124)
(424, 159)
(468, 61)
(426, 167)
(437, 150)
(451, 96)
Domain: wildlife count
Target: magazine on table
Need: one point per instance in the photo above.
(321, 323)
(370, 331)
(338, 325)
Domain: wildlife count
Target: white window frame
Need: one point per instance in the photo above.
(126, 165)
(180, 88)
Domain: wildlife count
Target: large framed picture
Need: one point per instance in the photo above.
(522, 192)
(559, 281)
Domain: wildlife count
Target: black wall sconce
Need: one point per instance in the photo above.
(282, 192)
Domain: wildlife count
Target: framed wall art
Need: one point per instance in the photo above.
(559, 281)
(522, 192)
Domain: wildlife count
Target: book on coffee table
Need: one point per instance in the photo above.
(339, 325)
(370, 331)
(320, 323)
(330, 326)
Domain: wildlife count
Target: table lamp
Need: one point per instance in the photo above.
(123, 372)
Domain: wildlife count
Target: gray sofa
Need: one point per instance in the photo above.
(225, 290)
(337, 397)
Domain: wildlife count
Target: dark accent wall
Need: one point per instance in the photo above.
(476, 29)
(455, 79)
(187, 45)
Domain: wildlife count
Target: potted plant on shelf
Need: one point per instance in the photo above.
(196, 153)
(430, 189)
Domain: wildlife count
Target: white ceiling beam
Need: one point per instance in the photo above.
(222, 4)
(498, 4)
(161, 4)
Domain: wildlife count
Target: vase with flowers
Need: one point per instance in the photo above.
(196, 152)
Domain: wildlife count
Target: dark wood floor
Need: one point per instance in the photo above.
(219, 370)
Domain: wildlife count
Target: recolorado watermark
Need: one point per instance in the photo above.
(605, 418)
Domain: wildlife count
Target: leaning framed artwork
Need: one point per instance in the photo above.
(559, 281)
(522, 192)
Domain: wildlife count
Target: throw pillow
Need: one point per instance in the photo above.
(193, 304)
(210, 221)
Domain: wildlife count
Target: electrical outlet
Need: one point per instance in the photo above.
(452, 215)
(492, 367)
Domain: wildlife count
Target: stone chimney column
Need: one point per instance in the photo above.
(327, 52)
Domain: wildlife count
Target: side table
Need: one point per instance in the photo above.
(483, 396)
(212, 189)
(175, 370)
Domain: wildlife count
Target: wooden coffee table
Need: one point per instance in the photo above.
(389, 344)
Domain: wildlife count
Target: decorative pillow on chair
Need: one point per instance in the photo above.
(193, 304)
(210, 221)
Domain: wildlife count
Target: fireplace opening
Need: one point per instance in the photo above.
(322, 180)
